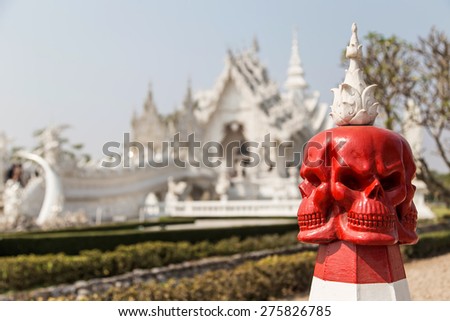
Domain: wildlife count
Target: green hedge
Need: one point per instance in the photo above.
(162, 221)
(74, 242)
(269, 278)
(430, 244)
(27, 271)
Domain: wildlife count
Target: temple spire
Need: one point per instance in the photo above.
(188, 102)
(135, 115)
(255, 45)
(149, 102)
(295, 80)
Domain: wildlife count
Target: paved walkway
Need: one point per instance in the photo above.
(429, 279)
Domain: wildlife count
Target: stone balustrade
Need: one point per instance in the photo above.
(238, 208)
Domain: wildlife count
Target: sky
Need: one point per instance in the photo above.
(88, 63)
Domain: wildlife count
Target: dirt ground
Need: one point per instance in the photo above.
(428, 279)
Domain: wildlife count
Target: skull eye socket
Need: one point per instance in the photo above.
(313, 179)
(391, 182)
(350, 180)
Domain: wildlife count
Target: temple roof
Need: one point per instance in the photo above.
(245, 79)
(250, 76)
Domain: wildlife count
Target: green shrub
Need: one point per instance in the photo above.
(441, 212)
(131, 225)
(271, 277)
(74, 242)
(27, 271)
(430, 244)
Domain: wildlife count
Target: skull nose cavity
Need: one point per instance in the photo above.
(375, 190)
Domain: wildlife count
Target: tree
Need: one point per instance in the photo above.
(433, 97)
(50, 138)
(390, 63)
(419, 73)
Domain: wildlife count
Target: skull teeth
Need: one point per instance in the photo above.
(371, 221)
(309, 221)
(409, 220)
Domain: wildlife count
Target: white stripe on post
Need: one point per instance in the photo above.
(339, 291)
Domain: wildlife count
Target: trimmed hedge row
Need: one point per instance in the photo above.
(27, 271)
(430, 244)
(269, 278)
(74, 242)
(162, 221)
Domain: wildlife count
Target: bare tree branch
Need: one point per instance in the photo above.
(434, 84)
(418, 73)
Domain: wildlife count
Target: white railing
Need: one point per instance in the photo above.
(244, 208)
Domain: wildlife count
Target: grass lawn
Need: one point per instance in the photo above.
(441, 211)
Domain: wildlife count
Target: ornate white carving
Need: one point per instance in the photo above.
(54, 194)
(354, 102)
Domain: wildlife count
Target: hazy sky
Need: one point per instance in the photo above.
(88, 63)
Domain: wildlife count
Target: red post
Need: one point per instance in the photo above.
(347, 271)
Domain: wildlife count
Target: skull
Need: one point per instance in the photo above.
(361, 192)
(314, 217)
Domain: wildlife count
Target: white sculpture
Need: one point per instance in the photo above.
(175, 190)
(151, 205)
(151, 199)
(54, 194)
(354, 102)
(12, 196)
(223, 184)
(414, 135)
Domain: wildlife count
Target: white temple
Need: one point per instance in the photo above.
(244, 105)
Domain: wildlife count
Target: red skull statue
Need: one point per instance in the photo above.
(357, 188)
(357, 177)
